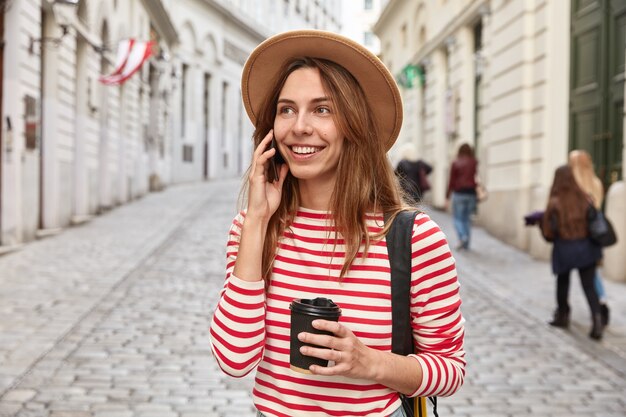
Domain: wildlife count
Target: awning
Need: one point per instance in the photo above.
(131, 54)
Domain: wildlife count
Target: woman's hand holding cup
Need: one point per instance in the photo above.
(351, 357)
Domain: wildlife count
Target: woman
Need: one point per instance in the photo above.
(582, 167)
(318, 231)
(565, 224)
(462, 189)
(413, 173)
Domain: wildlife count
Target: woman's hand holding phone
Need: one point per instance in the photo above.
(264, 194)
(263, 200)
(273, 171)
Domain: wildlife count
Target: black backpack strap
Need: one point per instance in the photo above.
(399, 251)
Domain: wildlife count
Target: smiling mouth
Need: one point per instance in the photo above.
(305, 150)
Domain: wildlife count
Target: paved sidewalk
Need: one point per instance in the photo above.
(110, 319)
(527, 285)
(51, 285)
(518, 365)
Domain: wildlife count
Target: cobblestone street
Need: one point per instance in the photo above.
(110, 319)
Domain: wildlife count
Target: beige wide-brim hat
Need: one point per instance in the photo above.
(262, 67)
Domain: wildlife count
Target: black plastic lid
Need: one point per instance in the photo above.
(320, 306)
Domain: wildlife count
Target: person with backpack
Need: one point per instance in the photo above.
(317, 228)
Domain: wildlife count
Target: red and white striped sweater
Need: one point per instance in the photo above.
(250, 327)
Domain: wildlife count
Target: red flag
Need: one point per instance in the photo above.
(131, 54)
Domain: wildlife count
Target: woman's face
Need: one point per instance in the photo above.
(305, 130)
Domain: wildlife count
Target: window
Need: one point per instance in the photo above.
(478, 82)
(224, 114)
(183, 98)
(368, 38)
(206, 116)
(166, 123)
(187, 153)
(404, 35)
(478, 36)
(367, 5)
(286, 8)
(32, 122)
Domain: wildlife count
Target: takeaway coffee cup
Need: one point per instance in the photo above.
(303, 312)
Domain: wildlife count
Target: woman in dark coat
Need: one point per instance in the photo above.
(413, 173)
(565, 224)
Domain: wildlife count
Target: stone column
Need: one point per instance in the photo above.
(615, 208)
(440, 141)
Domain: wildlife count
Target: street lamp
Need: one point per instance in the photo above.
(62, 10)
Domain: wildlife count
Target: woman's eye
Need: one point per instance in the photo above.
(323, 110)
(285, 110)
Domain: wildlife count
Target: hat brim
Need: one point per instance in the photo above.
(381, 90)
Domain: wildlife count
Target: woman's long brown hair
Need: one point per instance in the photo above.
(569, 203)
(365, 179)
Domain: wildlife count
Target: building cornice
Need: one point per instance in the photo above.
(384, 16)
(242, 22)
(162, 21)
(475, 9)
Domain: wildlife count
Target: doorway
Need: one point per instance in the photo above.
(206, 116)
(104, 185)
(597, 83)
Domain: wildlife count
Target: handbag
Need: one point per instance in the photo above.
(481, 192)
(399, 252)
(600, 228)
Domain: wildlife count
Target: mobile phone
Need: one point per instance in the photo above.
(275, 161)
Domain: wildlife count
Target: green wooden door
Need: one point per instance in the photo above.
(597, 83)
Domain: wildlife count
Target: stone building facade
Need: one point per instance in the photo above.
(524, 82)
(72, 147)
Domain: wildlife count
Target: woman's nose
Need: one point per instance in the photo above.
(303, 125)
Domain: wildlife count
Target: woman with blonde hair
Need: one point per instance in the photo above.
(565, 224)
(586, 178)
(317, 229)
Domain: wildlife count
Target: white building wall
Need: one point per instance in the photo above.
(357, 21)
(524, 98)
(20, 79)
(103, 145)
(215, 40)
(205, 32)
(90, 155)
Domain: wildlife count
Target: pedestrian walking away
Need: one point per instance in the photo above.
(565, 224)
(586, 178)
(413, 173)
(462, 191)
(311, 237)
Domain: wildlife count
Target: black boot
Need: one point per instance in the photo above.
(604, 312)
(597, 327)
(561, 319)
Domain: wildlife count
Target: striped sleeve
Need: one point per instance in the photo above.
(238, 324)
(435, 308)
